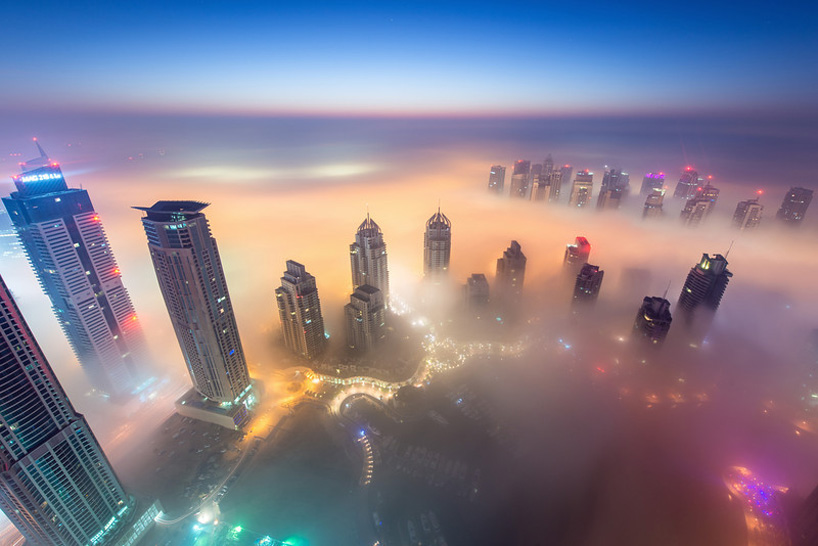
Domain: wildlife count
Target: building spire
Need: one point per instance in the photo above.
(729, 249)
(664, 296)
(40, 148)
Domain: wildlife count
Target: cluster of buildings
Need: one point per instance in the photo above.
(545, 182)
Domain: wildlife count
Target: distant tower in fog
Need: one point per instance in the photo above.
(652, 181)
(653, 204)
(699, 207)
(687, 185)
(653, 320)
(511, 272)
(581, 189)
(615, 178)
(299, 311)
(702, 293)
(748, 214)
(576, 255)
(497, 178)
(365, 318)
(71, 257)
(521, 179)
(565, 178)
(476, 292)
(191, 277)
(548, 165)
(794, 207)
(367, 257)
(541, 188)
(587, 285)
(56, 485)
(437, 247)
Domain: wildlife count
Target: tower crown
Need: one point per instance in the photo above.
(369, 228)
(438, 220)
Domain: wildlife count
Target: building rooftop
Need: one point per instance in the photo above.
(368, 227)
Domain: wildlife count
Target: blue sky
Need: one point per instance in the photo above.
(408, 58)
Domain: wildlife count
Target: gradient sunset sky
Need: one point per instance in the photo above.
(461, 58)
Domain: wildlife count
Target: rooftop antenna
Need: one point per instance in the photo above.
(729, 249)
(666, 290)
(367, 212)
(40, 148)
(438, 205)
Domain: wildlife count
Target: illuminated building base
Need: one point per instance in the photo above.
(232, 415)
(140, 525)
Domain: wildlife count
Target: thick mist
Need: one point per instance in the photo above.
(607, 428)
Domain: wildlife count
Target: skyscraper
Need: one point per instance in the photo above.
(687, 185)
(565, 178)
(554, 182)
(365, 318)
(476, 292)
(299, 310)
(748, 214)
(653, 204)
(497, 178)
(437, 247)
(511, 273)
(702, 293)
(521, 179)
(191, 278)
(587, 285)
(367, 257)
(73, 261)
(541, 188)
(56, 484)
(700, 206)
(581, 189)
(576, 255)
(794, 207)
(610, 198)
(615, 178)
(653, 320)
(548, 165)
(652, 181)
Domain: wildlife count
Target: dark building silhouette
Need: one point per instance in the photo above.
(653, 320)
(497, 178)
(511, 273)
(476, 292)
(794, 207)
(700, 206)
(615, 187)
(365, 318)
(652, 181)
(581, 189)
(687, 185)
(702, 293)
(747, 214)
(521, 179)
(587, 285)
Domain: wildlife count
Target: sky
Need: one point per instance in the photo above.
(410, 58)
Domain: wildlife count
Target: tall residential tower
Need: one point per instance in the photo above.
(56, 485)
(191, 278)
(367, 257)
(299, 310)
(70, 254)
(437, 247)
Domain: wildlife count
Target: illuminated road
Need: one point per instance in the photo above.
(766, 524)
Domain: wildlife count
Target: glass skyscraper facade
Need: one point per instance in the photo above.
(70, 254)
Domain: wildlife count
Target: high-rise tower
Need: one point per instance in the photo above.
(747, 214)
(652, 181)
(653, 320)
(299, 310)
(794, 207)
(576, 255)
(367, 257)
(521, 179)
(437, 247)
(511, 272)
(56, 485)
(191, 278)
(587, 285)
(653, 204)
(365, 318)
(70, 254)
(497, 178)
(687, 185)
(581, 189)
(476, 292)
(702, 293)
